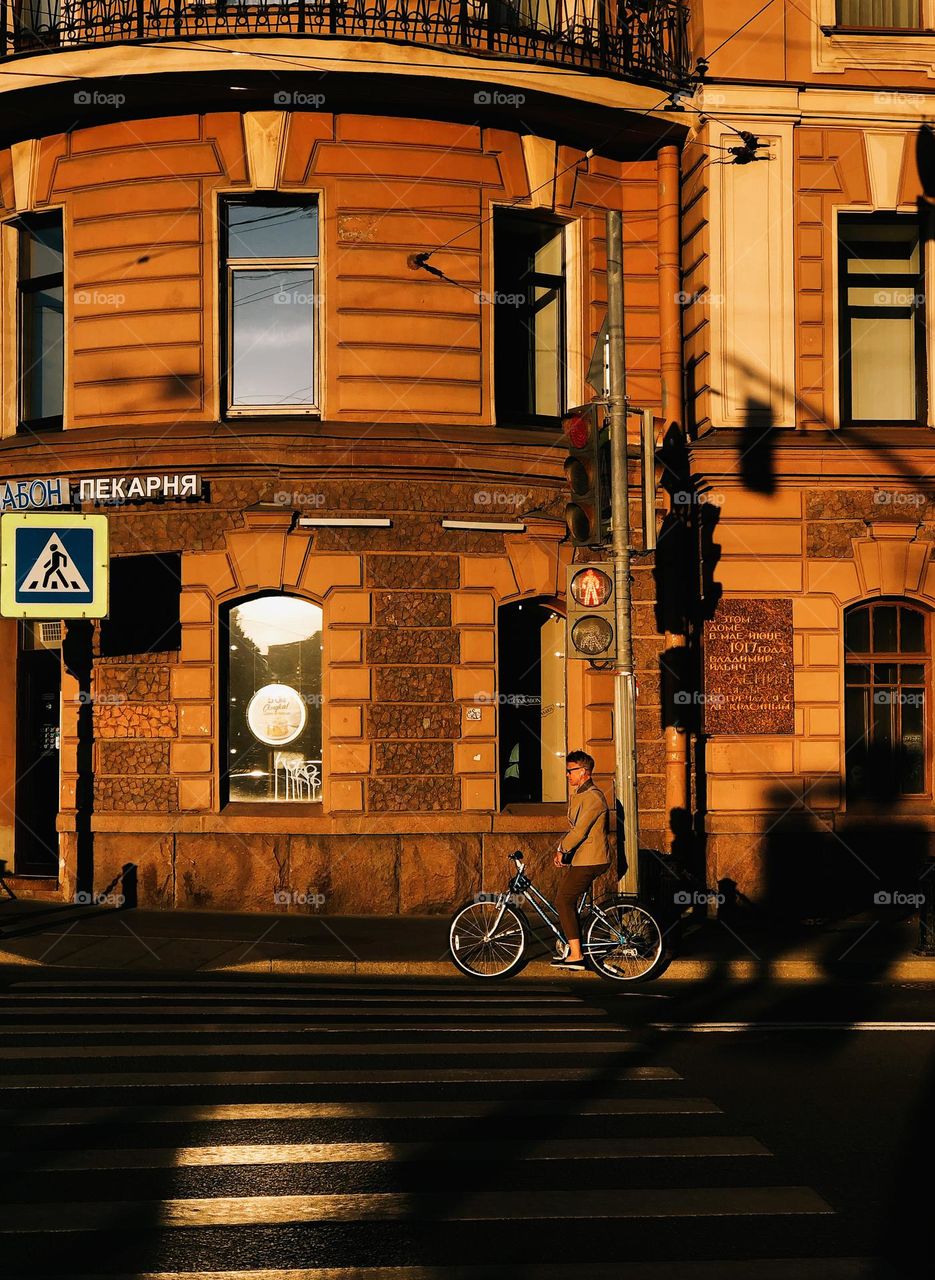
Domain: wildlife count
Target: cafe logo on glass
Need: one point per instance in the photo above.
(276, 714)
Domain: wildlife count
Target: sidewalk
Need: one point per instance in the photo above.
(55, 935)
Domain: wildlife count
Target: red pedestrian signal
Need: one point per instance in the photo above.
(591, 616)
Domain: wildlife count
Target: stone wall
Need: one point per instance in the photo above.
(135, 718)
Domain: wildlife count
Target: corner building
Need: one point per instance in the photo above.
(322, 684)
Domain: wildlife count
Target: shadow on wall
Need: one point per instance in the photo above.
(822, 867)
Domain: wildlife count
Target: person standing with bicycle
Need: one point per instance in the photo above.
(584, 853)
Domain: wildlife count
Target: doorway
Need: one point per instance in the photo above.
(38, 720)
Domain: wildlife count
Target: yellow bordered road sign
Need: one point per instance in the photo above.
(53, 566)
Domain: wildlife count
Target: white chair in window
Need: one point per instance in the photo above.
(295, 782)
(311, 772)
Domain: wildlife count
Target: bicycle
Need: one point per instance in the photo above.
(489, 937)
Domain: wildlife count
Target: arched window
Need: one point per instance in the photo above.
(886, 680)
(274, 700)
(531, 644)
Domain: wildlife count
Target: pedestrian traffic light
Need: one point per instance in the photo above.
(587, 470)
(591, 622)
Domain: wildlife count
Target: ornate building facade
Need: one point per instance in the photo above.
(808, 361)
(296, 295)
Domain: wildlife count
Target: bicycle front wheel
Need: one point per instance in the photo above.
(487, 941)
(623, 941)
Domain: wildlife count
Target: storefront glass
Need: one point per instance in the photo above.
(274, 700)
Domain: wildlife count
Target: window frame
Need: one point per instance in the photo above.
(26, 286)
(898, 658)
(845, 312)
(226, 269)
(563, 228)
(552, 606)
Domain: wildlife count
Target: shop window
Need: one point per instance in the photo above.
(882, 295)
(271, 283)
(529, 319)
(145, 595)
(41, 318)
(886, 682)
(531, 703)
(274, 700)
(873, 15)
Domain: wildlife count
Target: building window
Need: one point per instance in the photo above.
(882, 294)
(886, 683)
(271, 284)
(41, 312)
(529, 319)
(885, 15)
(274, 700)
(531, 703)
(145, 596)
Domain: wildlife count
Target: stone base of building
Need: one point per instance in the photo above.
(406, 873)
(811, 864)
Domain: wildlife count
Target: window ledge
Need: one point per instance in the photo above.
(273, 809)
(532, 817)
(838, 49)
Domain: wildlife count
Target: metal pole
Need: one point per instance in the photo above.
(624, 685)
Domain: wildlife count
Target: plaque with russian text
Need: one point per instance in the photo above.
(748, 668)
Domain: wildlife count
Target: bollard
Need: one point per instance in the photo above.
(926, 945)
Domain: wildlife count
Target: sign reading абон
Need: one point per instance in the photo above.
(33, 495)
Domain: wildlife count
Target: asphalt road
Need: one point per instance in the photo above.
(390, 1130)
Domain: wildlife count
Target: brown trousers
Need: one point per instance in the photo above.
(573, 884)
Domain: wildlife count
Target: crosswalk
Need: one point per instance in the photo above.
(308, 1130)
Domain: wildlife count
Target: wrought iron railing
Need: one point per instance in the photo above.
(638, 39)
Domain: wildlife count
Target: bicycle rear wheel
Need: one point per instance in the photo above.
(624, 942)
(483, 946)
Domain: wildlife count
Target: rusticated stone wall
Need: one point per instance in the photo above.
(835, 516)
(412, 647)
(135, 719)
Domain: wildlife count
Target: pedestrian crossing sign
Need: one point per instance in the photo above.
(53, 566)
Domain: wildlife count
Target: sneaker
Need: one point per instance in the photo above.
(577, 965)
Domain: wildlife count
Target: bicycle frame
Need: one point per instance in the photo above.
(521, 883)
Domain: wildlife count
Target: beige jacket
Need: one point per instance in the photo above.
(589, 839)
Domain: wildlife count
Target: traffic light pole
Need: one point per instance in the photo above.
(624, 683)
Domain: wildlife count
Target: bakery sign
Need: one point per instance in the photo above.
(43, 493)
(276, 714)
(116, 490)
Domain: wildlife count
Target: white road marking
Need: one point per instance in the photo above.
(542, 1203)
(414, 1049)
(388, 1075)
(386, 1152)
(430, 1110)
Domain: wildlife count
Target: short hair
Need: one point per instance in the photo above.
(581, 757)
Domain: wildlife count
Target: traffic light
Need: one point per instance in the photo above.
(591, 624)
(587, 469)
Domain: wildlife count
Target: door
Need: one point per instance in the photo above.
(38, 708)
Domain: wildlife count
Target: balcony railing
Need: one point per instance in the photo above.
(637, 39)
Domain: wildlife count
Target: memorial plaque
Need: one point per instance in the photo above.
(748, 668)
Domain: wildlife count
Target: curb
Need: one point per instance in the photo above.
(915, 969)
